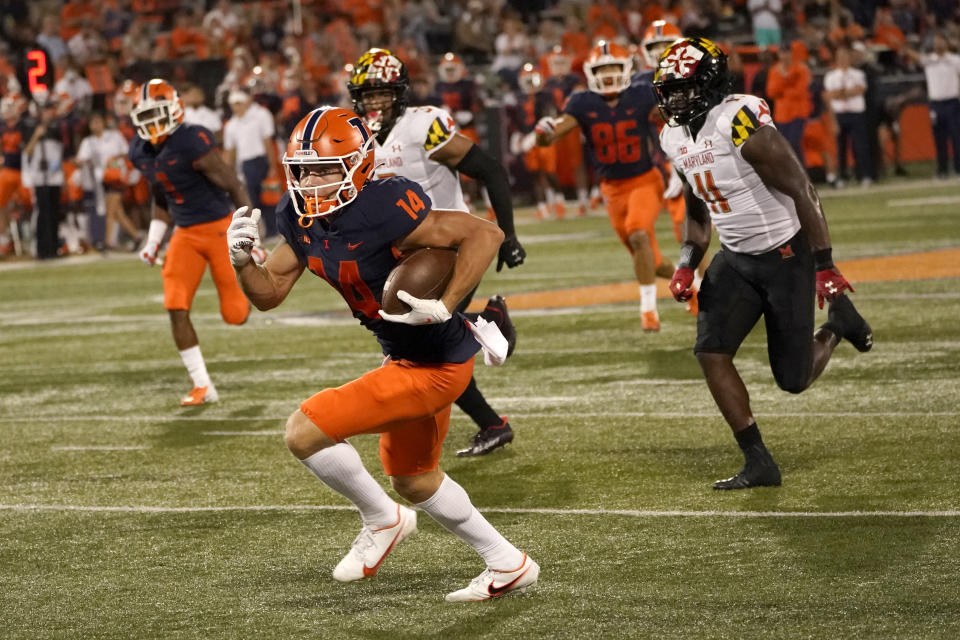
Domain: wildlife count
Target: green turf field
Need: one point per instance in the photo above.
(125, 516)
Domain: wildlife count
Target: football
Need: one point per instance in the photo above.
(425, 274)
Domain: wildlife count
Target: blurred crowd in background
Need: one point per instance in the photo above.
(496, 65)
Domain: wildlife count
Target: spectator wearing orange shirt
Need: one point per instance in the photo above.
(788, 84)
(603, 20)
(72, 15)
(845, 31)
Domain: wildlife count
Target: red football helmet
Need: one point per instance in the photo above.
(451, 68)
(529, 79)
(559, 63)
(334, 137)
(656, 39)
(158, 111)
(615, 77)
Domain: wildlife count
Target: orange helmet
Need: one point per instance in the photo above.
(451, 68)
(124, 98)
(334, 137)
(158, 111)
(558, 62)
(610, 81)
(658, 36)
(529, 79)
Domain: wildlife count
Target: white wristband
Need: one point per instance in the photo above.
(158, 228)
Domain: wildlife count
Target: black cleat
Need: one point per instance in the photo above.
(852, 326)
(486, 440)
(496, 312)
(759, 471)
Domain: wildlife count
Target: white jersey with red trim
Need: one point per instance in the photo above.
(749, 216)
(419, 132)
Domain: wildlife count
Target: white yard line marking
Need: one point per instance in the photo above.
(630, 513)
(534, 414)
(915, 202)
(100, 448)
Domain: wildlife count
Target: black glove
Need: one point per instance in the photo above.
(511, 253)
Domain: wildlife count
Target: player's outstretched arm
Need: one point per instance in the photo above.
(461, 154)
(549, 130)
(477, 242)
(216, 170)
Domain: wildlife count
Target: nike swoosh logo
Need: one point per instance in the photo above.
(496, 591)
(351, 246)
(369, 572)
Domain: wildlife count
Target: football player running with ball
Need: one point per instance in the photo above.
(193, 188)
(741, 175)
(349, 229)
(423, 144)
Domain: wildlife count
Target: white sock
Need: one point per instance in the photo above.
(340, 468)
(582, 198)
(648, 297)
(697, 280)
(451, 507)
(550, 194)
(543, 210)
(193, 361)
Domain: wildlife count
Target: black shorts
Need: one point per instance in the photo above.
(779, 285)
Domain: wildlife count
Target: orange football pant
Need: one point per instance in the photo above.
(541, 159)
(191, 249)
(407, 403)
(633, 204)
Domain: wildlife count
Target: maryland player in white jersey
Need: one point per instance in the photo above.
(741, 175)
(423, 144)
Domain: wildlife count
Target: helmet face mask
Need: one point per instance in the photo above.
(379, 69)
(608, 69)
(329, 158)
(691, 79)
(157, 112)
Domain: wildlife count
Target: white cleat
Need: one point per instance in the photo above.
(372, 547)
(493, 584)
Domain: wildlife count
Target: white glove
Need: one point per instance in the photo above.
(242, 235)
(463, 117)
(546, 126)
(491, 340)
(674, 185)
(421, 311)
(155, 233)
(528, 142)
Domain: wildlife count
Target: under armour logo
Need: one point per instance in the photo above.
(786, 252)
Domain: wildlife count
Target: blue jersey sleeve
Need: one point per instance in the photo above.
(574, 105)
(288, 226)
(196, 143)
(394, 207)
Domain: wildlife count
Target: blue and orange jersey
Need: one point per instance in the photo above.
(459, 96)
(13, 138)
(191, 198)
(353, 250)
(567, 84)
(620, 137)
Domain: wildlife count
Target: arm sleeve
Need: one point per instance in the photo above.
(480, 165)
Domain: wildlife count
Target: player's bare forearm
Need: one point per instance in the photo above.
(561, 126)
(217, 171)
(772, 157)
(696, 225)
(476, 240)
(267, 285)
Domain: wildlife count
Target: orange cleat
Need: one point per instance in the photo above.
(649, 321)
(199, 395)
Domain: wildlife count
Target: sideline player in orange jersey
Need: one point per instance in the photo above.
(350, 230)
(614, 116)
(192, 187)
(14, 134)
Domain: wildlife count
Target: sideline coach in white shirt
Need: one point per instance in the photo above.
(942, 70)
(248, 138)
(843, 88)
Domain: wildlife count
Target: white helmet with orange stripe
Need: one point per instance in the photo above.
(158, 111)
(608, 68)
(657, 37)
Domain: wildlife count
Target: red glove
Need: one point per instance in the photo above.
(830, 284)
(681, 284)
